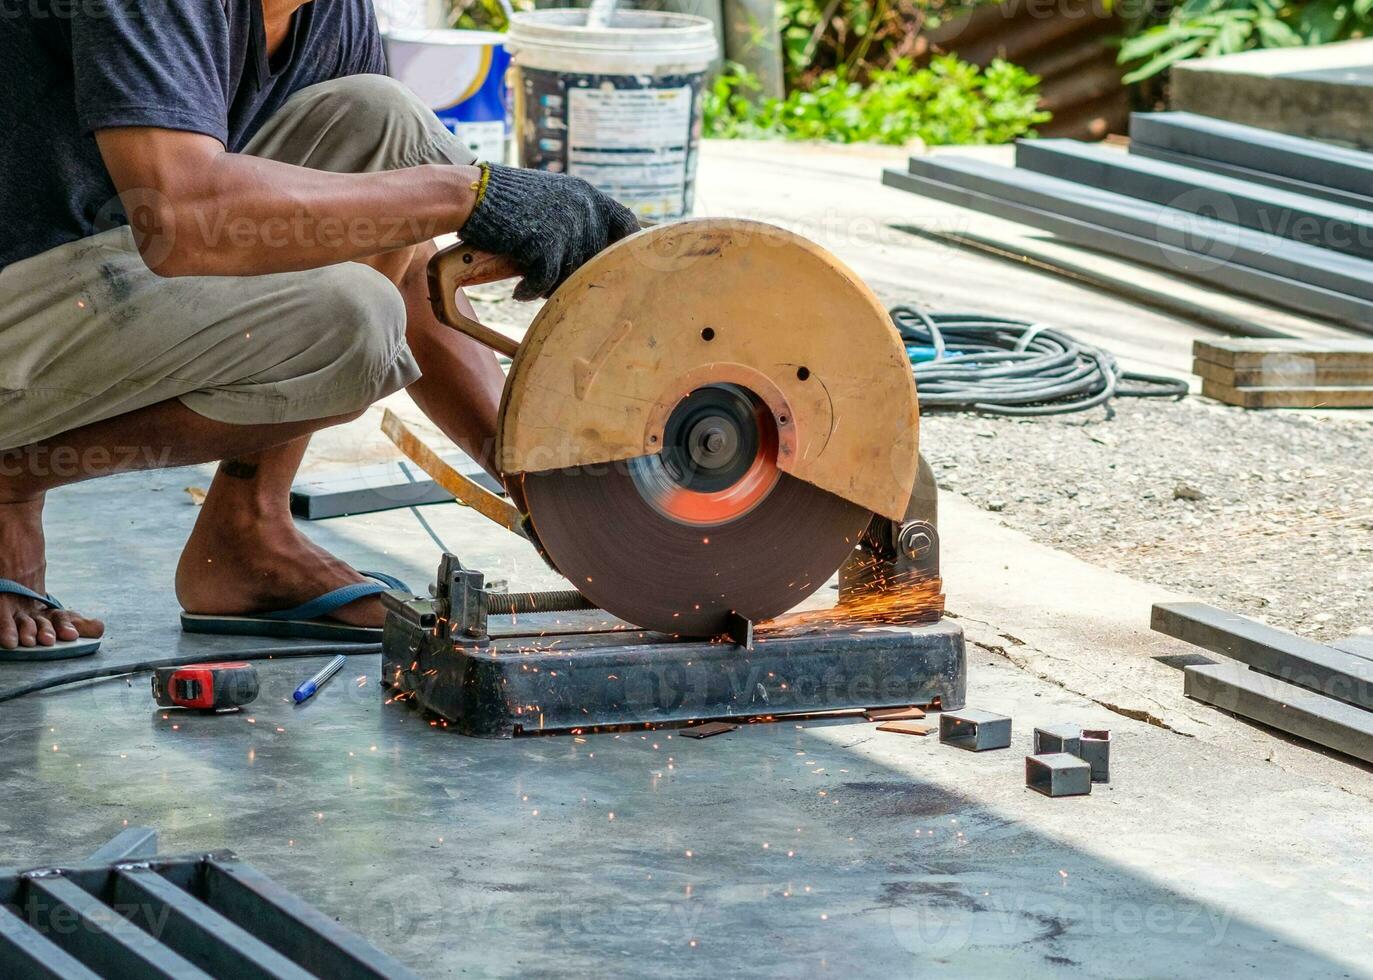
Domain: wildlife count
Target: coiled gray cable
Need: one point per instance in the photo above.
(1005, 366)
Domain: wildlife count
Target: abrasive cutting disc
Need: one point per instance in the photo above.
(678, 540)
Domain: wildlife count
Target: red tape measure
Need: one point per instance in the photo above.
(206, 687)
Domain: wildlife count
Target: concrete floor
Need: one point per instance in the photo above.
(801, 849)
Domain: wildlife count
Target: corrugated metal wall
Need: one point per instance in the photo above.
(1068, 43)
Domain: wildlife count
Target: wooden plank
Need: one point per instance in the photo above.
(1314, 397)
(1277, 704)
(1283, 371)
(1252, 352)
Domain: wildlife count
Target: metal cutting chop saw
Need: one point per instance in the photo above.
(700, 427)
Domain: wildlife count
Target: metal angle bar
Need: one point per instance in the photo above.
(26, 952)
(1302, 159)
(1205, 245)
(467, 491)
(1254, 176)
(1287, 293)
(1301, 662)
(132, 842)
(1314, 221)
(1283, 706)
(99, 936)
(199, 933)
(293, 927)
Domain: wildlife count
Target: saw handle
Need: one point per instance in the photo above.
(460, 265)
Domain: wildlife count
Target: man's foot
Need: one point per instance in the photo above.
(24, 622)
(240, 564)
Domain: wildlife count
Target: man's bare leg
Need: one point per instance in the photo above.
(245, 553)
(167, 434)
(250, 496)
(460, 391)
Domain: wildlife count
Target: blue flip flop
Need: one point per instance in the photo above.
(62, 649)
(307, 621)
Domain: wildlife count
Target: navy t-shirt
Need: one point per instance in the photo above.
(71, 67)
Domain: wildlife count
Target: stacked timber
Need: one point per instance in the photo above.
(1286, 373)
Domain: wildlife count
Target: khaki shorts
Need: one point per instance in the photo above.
(88, 333)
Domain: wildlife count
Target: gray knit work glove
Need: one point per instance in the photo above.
(548, 223)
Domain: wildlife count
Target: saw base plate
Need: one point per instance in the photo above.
(577, 673)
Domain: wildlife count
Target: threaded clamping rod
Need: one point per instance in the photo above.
(529, 603)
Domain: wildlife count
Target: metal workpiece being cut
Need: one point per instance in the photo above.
(702, 423)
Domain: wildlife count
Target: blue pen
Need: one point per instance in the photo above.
(308, 689)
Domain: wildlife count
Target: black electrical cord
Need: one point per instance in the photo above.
(252, 653)
(1004, 366)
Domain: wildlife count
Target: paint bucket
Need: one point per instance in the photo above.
(461, 76)
(619, 106)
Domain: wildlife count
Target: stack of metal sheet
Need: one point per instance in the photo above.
(1284, 220)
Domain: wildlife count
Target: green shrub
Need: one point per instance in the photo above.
(949, 101)
(1200, 28)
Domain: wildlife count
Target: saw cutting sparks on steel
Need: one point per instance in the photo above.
(679, 540)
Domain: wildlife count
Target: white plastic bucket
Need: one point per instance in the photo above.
(461, 76)
(619, 106)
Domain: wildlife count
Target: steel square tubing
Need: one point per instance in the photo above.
(1304, 663)
(129, 843)
(300, 931)
(1266, 209)
(1300, 159)
(1096, 752)
(1314, 221)
(376, 488)
(97, 935)
(1290, 709)
(196, 931)
(1254, 176)
(26, 952)
(975, 730)
(1005, 199)
(1207, 242)
(1058, 774)
(1058, 738)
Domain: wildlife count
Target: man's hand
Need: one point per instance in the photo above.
(548, 223)
(197, 210)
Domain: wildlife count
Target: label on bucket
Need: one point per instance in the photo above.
(632, 144)
(632, 136)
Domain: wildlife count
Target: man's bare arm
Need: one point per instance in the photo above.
(197, 209)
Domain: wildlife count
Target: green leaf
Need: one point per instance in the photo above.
(1276, 34)
(1154, 39)
(1233, 36)
(1173, 55)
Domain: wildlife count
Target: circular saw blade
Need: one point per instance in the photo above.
(641, 565)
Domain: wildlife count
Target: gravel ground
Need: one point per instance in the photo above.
(1264, 513)
(1269, 514)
